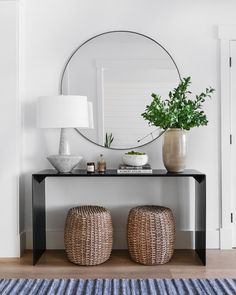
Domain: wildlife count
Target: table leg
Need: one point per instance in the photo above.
(200, 217)
(39, 219)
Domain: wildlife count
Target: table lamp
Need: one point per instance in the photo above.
(64, 111)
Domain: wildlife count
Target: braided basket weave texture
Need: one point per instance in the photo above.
(151, 234)
(88, 235)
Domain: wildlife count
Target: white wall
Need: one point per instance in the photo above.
(188, 30)
(9, 129)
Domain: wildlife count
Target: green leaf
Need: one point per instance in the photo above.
(178, 111)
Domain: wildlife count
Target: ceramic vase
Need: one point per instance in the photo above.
(174, 150)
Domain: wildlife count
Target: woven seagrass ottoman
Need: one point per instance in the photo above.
(88, 235)
(151, 234)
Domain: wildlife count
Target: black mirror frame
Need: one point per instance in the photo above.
(109, 32)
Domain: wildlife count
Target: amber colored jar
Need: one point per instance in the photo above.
(101, 165)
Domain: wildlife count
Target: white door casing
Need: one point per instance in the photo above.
(227, 34)
(233, 136)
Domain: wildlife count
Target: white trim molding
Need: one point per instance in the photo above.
(226, 33)
(10, 129)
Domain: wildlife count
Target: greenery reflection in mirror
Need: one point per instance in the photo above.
(118, 71)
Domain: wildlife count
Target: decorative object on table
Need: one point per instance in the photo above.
(175, 115)
(64, 111)
(64, 163)
(135, 158)
(101, 164)
(126, 169)
(90, 167)
(174, 150)
(88, 235)
(151, 234)
(108, 140)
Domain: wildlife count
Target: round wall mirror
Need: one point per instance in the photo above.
(118, 71)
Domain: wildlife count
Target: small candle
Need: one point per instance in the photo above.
(90, 167)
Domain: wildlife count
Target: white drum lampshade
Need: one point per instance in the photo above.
(64, 111)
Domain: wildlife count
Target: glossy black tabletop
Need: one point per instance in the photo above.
(113, 172)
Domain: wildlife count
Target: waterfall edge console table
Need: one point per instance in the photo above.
(39, 210)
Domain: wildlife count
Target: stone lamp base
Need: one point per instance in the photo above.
(64, 163)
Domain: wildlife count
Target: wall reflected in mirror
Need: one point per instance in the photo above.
(118, 72)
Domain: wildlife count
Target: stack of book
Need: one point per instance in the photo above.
(126, 169)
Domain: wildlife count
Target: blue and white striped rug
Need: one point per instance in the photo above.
(118, 286)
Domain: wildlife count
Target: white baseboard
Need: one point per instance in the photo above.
(213, 239)
(184, 240)
(10, 245)
(226, 238)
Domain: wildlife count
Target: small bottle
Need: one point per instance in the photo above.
(90, 167)
(101, 165)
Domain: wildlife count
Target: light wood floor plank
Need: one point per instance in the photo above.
(184, 264)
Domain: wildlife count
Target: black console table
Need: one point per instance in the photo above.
(39, 216)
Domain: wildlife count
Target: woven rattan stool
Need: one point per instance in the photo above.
(151, 234)
(88, 235)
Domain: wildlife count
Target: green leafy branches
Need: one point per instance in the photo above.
(178, 111)
(108, 140)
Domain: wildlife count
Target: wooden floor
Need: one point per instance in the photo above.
(184, 264)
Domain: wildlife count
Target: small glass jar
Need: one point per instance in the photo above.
(90, 167)
(101, 165)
